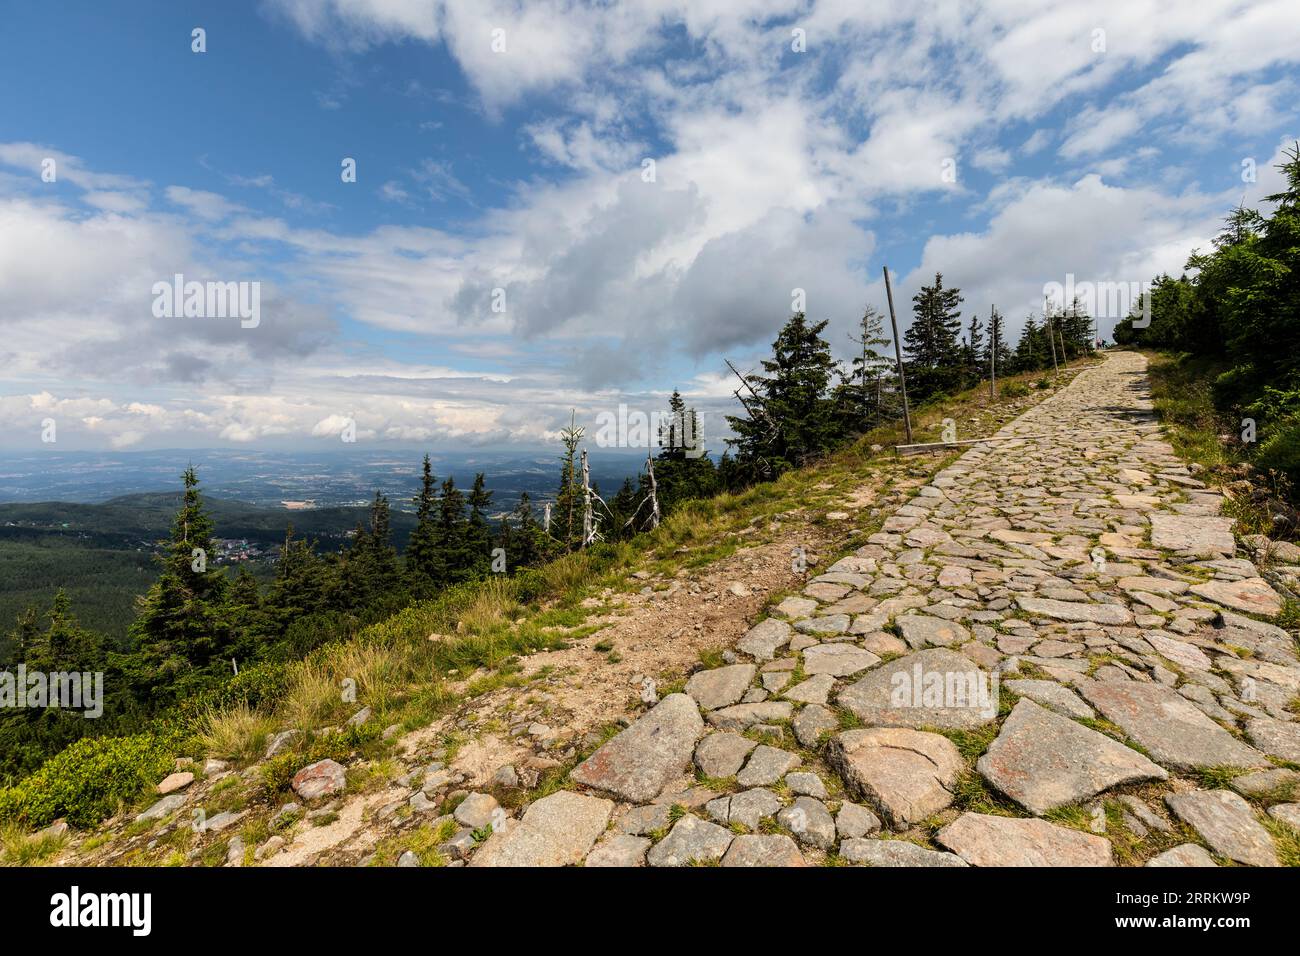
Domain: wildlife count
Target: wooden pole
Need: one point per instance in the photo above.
(993, 353)
(1051, 337)
(898, 353)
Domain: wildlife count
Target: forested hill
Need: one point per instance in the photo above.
(102, 554)
(129, 519)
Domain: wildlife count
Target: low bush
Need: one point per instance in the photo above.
(90, 779)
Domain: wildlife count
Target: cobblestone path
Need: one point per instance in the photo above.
(1051, 655)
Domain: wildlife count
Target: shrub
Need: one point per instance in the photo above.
(89, 780)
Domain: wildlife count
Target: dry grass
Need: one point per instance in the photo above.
(238, 732)
(313, 697)
(18, 848)
(491, 609)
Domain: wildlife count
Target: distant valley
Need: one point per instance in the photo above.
(89, 522)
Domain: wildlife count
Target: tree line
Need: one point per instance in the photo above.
(804, 403)
(1240, 307)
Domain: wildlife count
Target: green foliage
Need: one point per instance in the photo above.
(1241, 305)
(102, 583)
(934, 353)
(181, 629)
(90, 779)
(796, 421)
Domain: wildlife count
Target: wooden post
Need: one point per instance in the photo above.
(898, 352)
(1051, 337)
(993, 353)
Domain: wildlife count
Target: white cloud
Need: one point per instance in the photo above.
(774, 170)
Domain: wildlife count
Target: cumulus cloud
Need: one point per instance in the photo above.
(586, 282)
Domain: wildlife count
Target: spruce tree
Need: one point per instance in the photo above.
(424, 565)
(683, 469)
(566, 519)
(299, 586)
(861, 399)
(975, 350)
(932, 341)
(997, 346)
(530, 541)
(180, 628)
(22, 638)
(452, 533)
(796, 419)
(478, 534)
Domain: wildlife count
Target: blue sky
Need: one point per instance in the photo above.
(1009, 144)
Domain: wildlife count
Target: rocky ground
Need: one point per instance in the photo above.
(1050, 653)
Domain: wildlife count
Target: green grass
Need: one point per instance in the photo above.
(422, 841)
(1182, 388)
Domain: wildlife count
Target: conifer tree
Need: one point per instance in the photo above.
(180, 627)
(931, 341)
(22, 638)
(299, 586)
(566, 523)
(974, 350)
(683, 469)
(424, 565)
(861, 399)
(530, 541)
(452, 533)
(796, 419)
(478, 534)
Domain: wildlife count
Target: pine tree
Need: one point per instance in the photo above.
(1033, 351)
(931, 341)
(65, 645)
(683, 469)
(299, 586)
(566, 524)
(180, 628)
(997, 347)
(862, 401)
(452, 533)
(975, 350)
(23, 637)
(530, 541)
(796, 420)
(244, 615)
(478, 535)
(380, 540)
(424, 565)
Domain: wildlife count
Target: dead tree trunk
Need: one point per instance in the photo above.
(653, 491)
